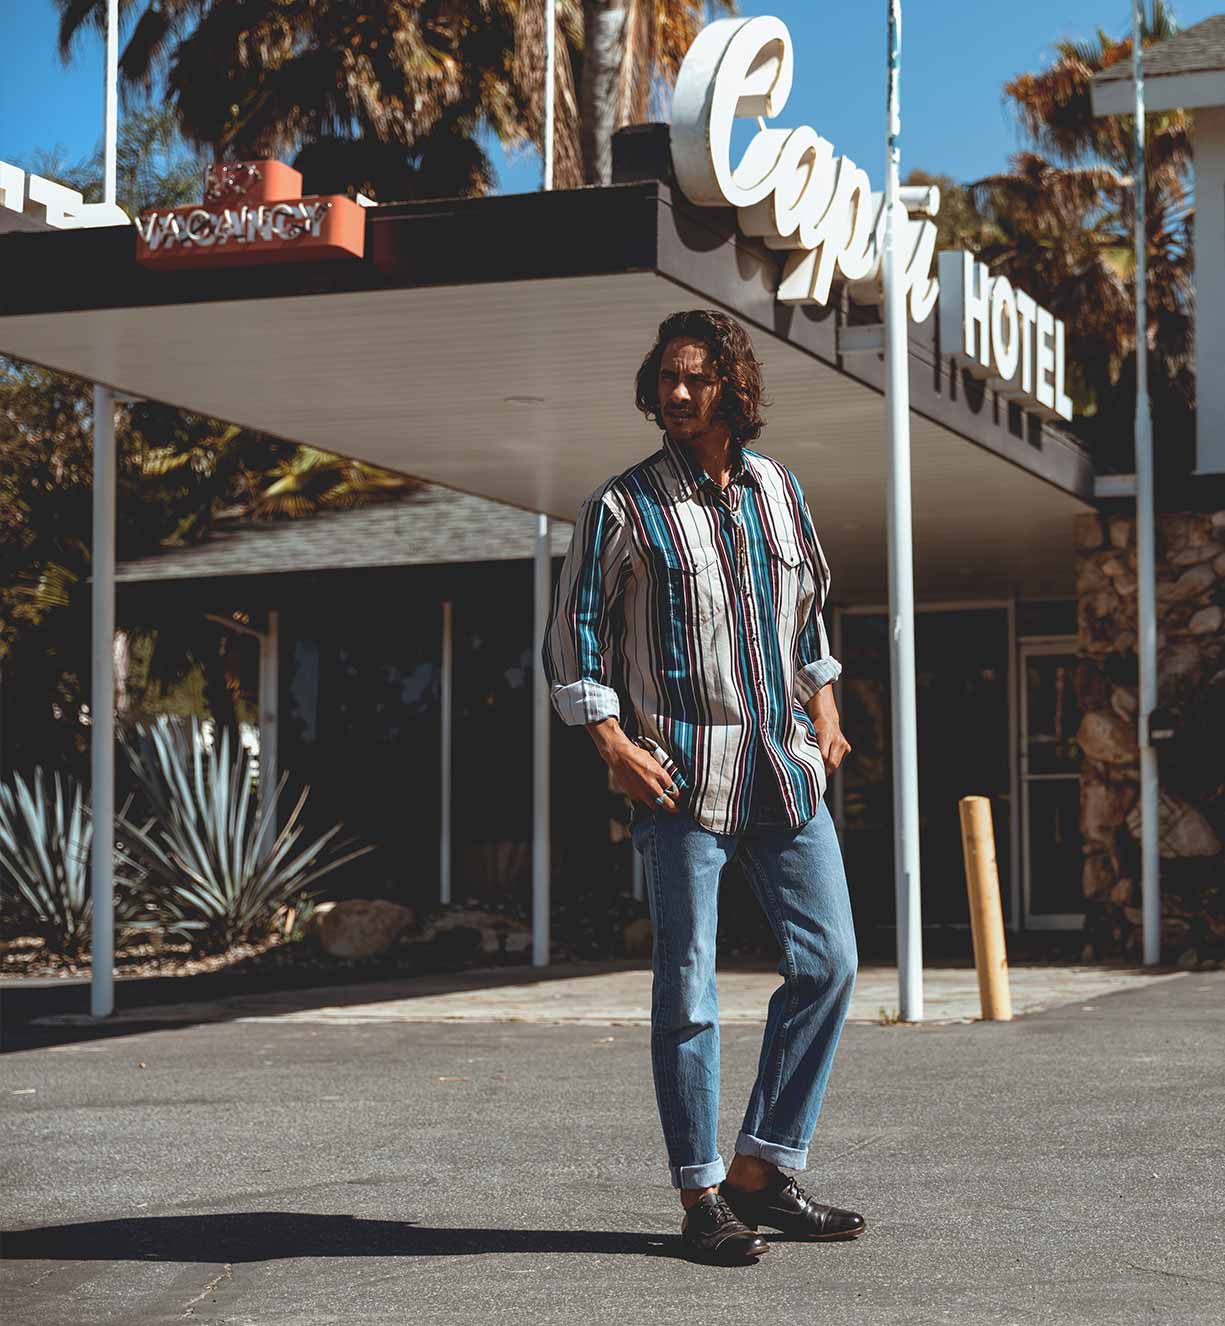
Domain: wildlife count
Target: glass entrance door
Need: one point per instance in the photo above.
(1050, 786)
(961, 657)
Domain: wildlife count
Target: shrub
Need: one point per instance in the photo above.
(201, 846)
(45, 836)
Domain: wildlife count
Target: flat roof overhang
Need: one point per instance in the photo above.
(491, 344)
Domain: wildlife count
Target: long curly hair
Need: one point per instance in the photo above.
(738, 368)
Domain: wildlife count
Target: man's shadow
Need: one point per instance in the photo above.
(256, 1236)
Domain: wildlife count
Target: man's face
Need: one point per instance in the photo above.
(689, 389)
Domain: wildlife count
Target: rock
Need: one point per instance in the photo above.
(1113, 566)
(1190, 585)
(1123, 892)
(1106, 739)
(496, 933)
(637, 935)
(1181, 830)
(312, 927)
(1089, 577)
(1193, 554)
(1217, 521)
(1124, 703)
(1174, 930)
(1178, 668)
(1218, 566)
(1207, 621)
(1188, 961)
(1089, 954)
(1125, 585)
(1088, 531)
(1097, 876)
(1120, 531)
(1102, 808)
(1208, 964)
(362, 927)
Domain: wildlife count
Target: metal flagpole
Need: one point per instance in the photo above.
(1146, 615)
(901, 570)
(102, 694)
(550, 21)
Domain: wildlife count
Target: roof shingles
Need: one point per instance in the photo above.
(1198, 50)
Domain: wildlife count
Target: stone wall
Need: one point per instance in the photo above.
(1191, 686)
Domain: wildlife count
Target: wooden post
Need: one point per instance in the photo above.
(986, 915)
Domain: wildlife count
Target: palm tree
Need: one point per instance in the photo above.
(615, 62)
(1060, 222)
(393, 97)
(388, 97)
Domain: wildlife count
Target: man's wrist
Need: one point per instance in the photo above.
(609, 738)
(821, 704)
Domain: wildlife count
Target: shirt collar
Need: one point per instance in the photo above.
(690, 476)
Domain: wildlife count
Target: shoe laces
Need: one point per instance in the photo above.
(719, 1210)
(793, 1187)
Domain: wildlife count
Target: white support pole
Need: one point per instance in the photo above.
(550, 40)
(445, 707)
(1016, 679)
(542, 592)
(269, 704)
(102, 593)
(901, 570)
(111, 104)
(1146, 615)
(102, 709)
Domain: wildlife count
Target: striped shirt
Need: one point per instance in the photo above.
(693, 614)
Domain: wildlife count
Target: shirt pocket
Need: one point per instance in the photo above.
(791, 589)
(685, 585)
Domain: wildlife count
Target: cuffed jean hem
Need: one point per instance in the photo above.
(787, 1156)
(709, 1175)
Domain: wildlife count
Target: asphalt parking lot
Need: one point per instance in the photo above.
(1066, 1167)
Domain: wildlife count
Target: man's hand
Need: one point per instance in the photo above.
(824, 714)
(636, 771)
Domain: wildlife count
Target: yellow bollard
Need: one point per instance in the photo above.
(986, 915)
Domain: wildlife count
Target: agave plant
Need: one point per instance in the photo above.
(203, 847)
(45, 834)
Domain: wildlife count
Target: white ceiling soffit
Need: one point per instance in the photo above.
(524, 392)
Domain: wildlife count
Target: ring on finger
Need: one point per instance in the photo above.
(659, 801)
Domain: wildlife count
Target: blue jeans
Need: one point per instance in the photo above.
(798, 878)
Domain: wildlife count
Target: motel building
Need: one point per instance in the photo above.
(392, 646)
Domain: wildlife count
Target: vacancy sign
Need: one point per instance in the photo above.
(253, 212)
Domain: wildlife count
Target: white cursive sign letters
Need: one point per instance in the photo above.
(790, 188)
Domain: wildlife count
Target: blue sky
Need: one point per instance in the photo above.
(956, 56)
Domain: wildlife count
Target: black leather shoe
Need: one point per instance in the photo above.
(711, 1230)
(783, 1205)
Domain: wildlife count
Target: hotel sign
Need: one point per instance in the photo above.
(252, 212)
(42, 204)
(794, 193)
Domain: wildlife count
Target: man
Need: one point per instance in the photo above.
(687, 637)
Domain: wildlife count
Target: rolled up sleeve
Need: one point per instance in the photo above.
(815, 665)
(578, 639)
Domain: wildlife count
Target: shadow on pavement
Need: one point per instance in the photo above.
(267, 1235)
